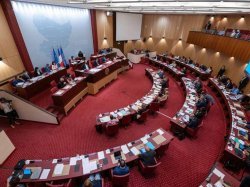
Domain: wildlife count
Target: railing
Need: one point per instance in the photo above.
(28, 111)
(231, 47)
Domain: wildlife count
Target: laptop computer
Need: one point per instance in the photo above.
(117, 155)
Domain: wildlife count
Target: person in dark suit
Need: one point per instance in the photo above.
(47, 68)
(37, 72)
(121, 169)
(148, 157)
(202, 102)
(221, 71)
(164, 83)
(96, 63)
(208, 26)
(197, 84)
(193, 122)
(85, 66)
(17, 80)
(243, 82)
(245, 182)
(104, 59)
(229, 84)
(25, 76)
(61, 83)
(80, 54)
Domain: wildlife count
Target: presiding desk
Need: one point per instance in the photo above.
(86, 164)
(103, 119)
(204, 75)
(188, 108)
(38, 84)
(168, 67)
(64, 99)
(136, 58)
(101, 75)
(239, 134)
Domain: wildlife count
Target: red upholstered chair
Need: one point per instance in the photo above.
(119, 180)
(163, 102)
(43, 70)
(148, 170)
(63, 184)
(125, 120)
(61, 64)
(191, 132)
(53, 90)
(112, 129)
(53, 83)
(161, 150)
(143, 117)
(154, 107)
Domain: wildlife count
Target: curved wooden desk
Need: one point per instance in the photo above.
(86, 164)
(237, 123)
(188, 108)
(132, 109)
(202, 74)
(168, 67)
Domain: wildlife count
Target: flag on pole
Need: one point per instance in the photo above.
(55, 57)
(63, 57)
(60, 60)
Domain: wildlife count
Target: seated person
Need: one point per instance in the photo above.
(193, 122)
(141, 109)
(162, 97)
(235, 90)
(94, 180)
(197, 84)
(104, 59)
(96, 62)
(85, 66)
(37, 72)
(160, 73)
(47, 68)
(200, 113)
(245, 182)
(9, 111)
(208, 98)
(202, 102)
(190, 61)
(184, 70)
(233, 33)
(148, 157)
(237, 34)
(203, 67)
(54, 66)
(69, 79)
(80, 54)
(229, 84)
(164, 83)
(121, 169)
(173, 64)
(17, 80)
(61, 83)
(223, 79)
(25, 76)
(209, 70)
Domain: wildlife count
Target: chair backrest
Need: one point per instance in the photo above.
(63, 184)
(126, 120)
(163, 102)
(53, 83)
(161, 150)
(147, 170)
(43, 70)
(144, 115)
(154, 106)
(62, 64)
(112, 129)
(53, 90)
(120, 179)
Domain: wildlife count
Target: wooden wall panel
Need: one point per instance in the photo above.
(12, 63)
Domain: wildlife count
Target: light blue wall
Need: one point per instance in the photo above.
(45, 27)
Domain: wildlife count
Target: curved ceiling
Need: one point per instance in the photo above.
(158, 6)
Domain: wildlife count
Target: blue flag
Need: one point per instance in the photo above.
(55, 57)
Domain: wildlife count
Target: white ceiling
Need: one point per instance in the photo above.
(158, 6)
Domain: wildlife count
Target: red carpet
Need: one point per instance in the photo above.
(186, 163)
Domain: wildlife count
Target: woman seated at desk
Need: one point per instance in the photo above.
(54, 66)
(69, 79)
(61, 83)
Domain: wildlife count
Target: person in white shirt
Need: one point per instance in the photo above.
(54, 66)
(9, 111)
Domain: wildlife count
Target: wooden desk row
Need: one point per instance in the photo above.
(103, 119)
(101, 75)
(64, 99)
(86, 164)
(110, 55)
(238, 134)
(168, 67)
(38, 84)
(202, 74)
(188, 108)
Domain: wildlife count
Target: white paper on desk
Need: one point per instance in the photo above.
(135, 151)
(130, 144)
(85, 166)
(218, 173)
(144, 140)
(58, 169)
(54, 161)
(92, 165)
(108, 151)
(45, 174)
(100, 155)
(72, 161)
(125, 149)
(218, 184)
(59, 92)
(160, 131)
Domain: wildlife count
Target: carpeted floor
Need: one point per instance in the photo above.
(186, 163)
